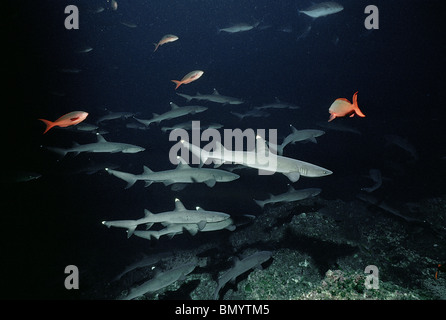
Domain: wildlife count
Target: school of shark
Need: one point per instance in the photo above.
(217, 164)
(192, 221)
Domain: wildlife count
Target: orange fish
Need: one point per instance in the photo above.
(440, 267)
(167, 38)
(70, 119)
(342, 107)
(188, 78)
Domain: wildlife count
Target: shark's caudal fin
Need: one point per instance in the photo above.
(49, 124)
(128, 177)
(279, 149)
(59, 151)
(185, 96)
(178, 83)
(203, 155)
(130, 231)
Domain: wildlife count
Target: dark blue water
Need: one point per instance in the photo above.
(54, 221)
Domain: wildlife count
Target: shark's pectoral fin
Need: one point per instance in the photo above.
(168, 182)
(210, 183)
(258, 267)
(218, 163)
(312, 139)
(178, 186)
(201, 225)
(231, 227)
(293, 176)
(192, 231)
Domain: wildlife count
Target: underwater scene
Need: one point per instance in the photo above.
(224, 150)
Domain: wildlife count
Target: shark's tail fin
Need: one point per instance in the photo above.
(59, 151)
(280, 149)
(49, 124)
(128, 177)
(238, 115)
(197, 151)
(130, 231)
(185, 96)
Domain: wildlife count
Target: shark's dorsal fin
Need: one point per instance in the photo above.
(173, 106)
(179, 206)
(182, 164)
(100, 138)
(215, 92)
(147, 213)
(155, 114)
(181, 160)
(261, 147)
(219, 149)
(293, 130)
(147, 170)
